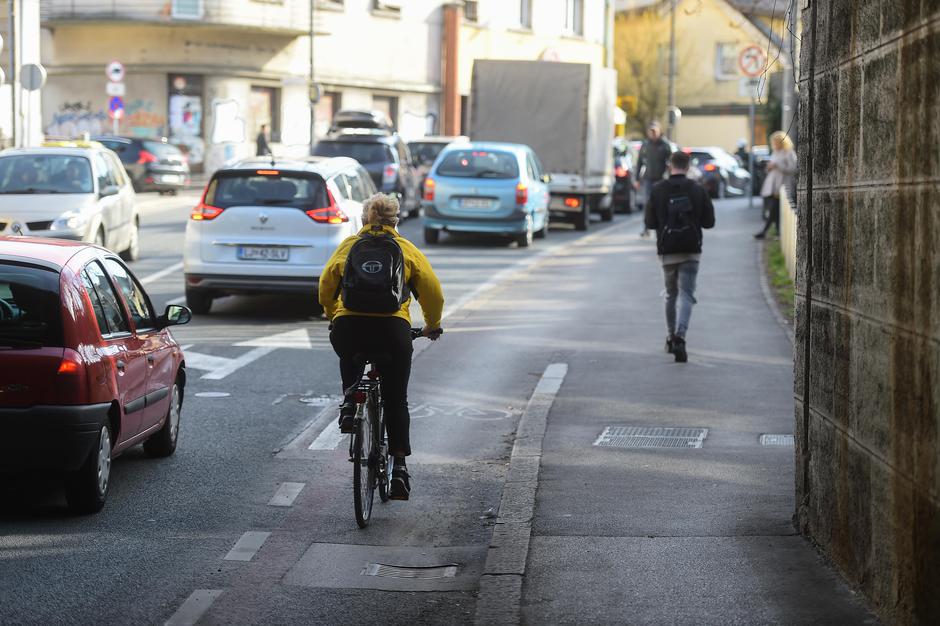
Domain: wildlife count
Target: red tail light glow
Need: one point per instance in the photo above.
(388, 174)
(710, 167)
(147, 157)
(429, 185)
(621, 172)
(522, 194)
(268, 172)
(572, 202)
(204, 212)
(69, 366)
(328, 215)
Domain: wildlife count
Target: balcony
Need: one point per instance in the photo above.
(284, 16)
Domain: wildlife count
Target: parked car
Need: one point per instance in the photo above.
(87, 368)
(79, 193)
(153, 164)
(486, 187)
(367, 137)
(270, 226)
(722, 175)
(425, 151)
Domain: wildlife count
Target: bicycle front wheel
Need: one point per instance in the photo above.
(363, 476)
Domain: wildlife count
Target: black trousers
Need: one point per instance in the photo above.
(772, 208)
(389, 337)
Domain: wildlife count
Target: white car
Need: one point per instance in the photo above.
(79, 193)
(270, 226)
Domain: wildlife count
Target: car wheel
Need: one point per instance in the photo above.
(524, 239)
(722, 189)
(199, 301)
(431, 236)
(163, 442)
(607, 214)
(583, 218)
(133, 250)
(87, 489)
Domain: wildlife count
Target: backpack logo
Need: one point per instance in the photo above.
(372, 267)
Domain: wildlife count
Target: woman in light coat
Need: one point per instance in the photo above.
(780, 171)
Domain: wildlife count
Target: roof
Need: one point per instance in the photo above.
(56, 251)
(440, 139)
(490, 145)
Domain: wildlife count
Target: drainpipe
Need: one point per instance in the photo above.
(453, 12)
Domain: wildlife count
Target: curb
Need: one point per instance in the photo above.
(769, 297)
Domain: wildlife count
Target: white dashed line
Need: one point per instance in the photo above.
(329, 439)
(286, 494)
(194, 607)
(164, 272)
(247, 546)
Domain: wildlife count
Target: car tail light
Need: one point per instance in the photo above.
(429, 185)
(328, 215)
(389, 173)
(710, 167)
(71, 363)
(572, 202)
(147, 157)
(621, 172)
(204, 212)
(522, 194)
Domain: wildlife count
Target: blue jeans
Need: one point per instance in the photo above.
(680, 295)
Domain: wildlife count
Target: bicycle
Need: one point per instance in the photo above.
(368, 447)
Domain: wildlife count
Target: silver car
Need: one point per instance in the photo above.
(78, 193)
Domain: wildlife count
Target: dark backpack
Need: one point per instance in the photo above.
(681, 232)
(374, 276)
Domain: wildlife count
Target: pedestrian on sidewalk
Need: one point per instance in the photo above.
(678, 210)
(651, 165)
(780, 171)
(262, 148)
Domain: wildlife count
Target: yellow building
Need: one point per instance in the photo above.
(711, 91)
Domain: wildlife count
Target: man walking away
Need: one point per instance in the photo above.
(261, 143)
(651, 165)
(678, 210)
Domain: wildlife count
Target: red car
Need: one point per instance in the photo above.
(87, 369)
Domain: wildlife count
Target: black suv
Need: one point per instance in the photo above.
(153, 164)
(367, 137)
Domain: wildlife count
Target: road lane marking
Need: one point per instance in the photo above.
(329, 438)
(500, 594)
(195, 606)
(205, 362)
(162, 273)
(247, 546)
(286, 494)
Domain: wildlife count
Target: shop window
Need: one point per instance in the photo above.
(264, 107)
(187, 9)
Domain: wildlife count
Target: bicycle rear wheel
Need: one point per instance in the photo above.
(363, 469)
(382, 470)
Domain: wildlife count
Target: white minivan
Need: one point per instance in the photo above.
(268, 225)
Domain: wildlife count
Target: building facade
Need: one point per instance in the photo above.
(20, 110)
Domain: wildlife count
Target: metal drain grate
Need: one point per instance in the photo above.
(423, 573)
(776, 440)
(651, 437)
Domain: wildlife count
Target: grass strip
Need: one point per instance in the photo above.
(780, 281)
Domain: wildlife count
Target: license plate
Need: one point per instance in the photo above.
(171, 178)
(476, 203)
(263, 253)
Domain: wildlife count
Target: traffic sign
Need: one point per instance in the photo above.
(32, 76)
(748, 87)
(752, 60)
(115, 89)
(115, 71)
(116, 108)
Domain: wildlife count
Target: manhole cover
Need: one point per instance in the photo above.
(776, 440)
(423, 573)
(651, 437)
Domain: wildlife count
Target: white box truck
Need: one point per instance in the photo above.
(563, 111)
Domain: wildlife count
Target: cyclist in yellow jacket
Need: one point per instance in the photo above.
(388, 334)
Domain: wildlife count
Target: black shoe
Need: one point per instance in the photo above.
(400, 487)
(759, 236)
(669, 341)
(347, 418)
(678, 349)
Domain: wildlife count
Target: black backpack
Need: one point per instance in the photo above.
(681, 232)
(374, 276)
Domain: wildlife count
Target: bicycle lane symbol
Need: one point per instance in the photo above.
(462, 411)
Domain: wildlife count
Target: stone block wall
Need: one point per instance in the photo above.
(867, 351)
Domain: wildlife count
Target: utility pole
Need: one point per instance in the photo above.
(311, 81)
(671, 111)
(11, 29)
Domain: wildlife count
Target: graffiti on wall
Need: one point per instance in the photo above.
(72, 119)
(185, 123)
(141, 119)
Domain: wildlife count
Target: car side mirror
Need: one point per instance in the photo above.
(110, 190)
(546, 178)
(175, 315)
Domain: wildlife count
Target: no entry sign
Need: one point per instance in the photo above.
(752, 60)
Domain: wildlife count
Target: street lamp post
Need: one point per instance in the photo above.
(671, 111)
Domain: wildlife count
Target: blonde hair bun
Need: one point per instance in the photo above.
(381, 209)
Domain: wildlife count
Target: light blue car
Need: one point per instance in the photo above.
(486, 187)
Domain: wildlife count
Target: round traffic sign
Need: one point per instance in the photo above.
(32, 76)
(116, 108)
(115, 71)
(752, 60)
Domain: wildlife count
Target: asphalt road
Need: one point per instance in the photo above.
(258, 421)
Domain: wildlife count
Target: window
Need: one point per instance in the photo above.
(387, 105)
(368, 188)
(105, 176)
(534, 173)
(388, 5)
(264, 107)
(726, 61)
(358, 190)
(479, 164)
(41, 174)
(111, 320)
(29, 306)
(117, 171)
(525, 13)
(187, 9)
(365, 153)
(574, 17)
(299, 191)
(134, 295)
(470, 9)
(330, 102)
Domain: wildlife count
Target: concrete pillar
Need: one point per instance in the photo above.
(453, 15)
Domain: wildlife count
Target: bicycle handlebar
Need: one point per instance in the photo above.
(419, 332)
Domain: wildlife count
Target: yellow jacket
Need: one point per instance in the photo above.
(418, 273)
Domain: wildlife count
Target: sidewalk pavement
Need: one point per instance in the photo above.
(678, 535)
